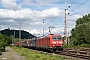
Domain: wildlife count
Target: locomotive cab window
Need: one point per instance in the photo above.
(56, 37)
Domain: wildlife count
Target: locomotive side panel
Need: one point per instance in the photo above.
(43, 42)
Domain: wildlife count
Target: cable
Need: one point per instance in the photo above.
(74, 8)
(56, 5)
(59, 7)
(59, 19)
(71, 4)
(79, 5)
(58, 2)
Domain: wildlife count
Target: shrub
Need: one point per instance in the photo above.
(85, 45)
(2, 48)
(66, 46)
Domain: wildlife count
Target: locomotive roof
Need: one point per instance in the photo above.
(54, 34)
(48, 35)
(41, 37)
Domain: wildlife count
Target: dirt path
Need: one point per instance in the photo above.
(9, 54)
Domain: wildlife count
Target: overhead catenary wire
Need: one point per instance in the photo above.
(55, 6)
(68, 7)
(79, 5)
(57, 3)
(58, 7)
(73, 2)
(71, 11)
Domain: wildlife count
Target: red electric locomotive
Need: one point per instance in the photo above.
(52, 42)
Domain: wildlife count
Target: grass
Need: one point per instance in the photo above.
(34, 55)
(77, 47)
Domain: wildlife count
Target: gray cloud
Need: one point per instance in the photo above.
(27, 16)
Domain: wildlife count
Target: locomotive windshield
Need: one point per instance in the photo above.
(56, 37)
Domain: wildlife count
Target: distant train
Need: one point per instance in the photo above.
(51, 42)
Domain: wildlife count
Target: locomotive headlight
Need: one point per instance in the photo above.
(60, 42)
(54, 42)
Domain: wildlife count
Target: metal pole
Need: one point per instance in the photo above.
(68, 37)
(20, 32)
(12, 40)
(43, 27)
(65, 29)
(14, 37)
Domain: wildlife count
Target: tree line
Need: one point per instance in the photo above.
(7, 36)
(24, 34)
(81, 33)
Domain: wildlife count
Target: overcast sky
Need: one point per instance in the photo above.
(31, 13)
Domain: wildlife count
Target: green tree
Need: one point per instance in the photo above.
(2, 43)
(81, 33)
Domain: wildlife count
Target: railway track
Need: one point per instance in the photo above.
(84, 53)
